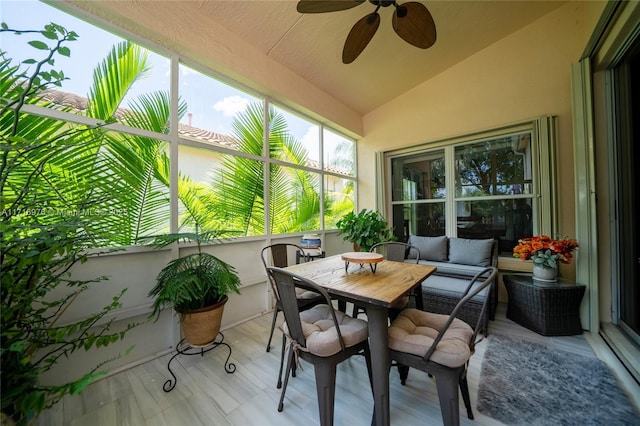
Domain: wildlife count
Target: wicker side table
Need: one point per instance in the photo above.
(550, 309)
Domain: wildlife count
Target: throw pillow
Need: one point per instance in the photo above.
(470, 252)
(431, 248)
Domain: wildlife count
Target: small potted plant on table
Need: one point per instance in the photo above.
(364, 229)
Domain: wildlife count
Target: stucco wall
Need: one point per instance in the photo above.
(521, 77)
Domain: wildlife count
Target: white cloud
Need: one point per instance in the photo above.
(231, 105)
(312, 142)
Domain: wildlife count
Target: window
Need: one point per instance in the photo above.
(245, 164)
(480, 186)
(419, 193)
(339, 166)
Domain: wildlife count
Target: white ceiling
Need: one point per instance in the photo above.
(311, 45)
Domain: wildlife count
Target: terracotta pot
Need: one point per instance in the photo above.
(200, 327)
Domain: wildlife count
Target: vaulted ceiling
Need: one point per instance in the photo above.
(311, 45)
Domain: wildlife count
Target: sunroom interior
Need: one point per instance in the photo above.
(499, 71)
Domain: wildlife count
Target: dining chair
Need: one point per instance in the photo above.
(322, 336)
(441, 346)
(397, 252)
(279, 254)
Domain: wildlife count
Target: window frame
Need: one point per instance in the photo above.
(543, 168)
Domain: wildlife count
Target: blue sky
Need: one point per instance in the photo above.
(211, 104)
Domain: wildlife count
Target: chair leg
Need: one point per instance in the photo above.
(403, 372)
(464, 390)
(447, 385)
(367, 359)
(326, 389)
(290, 359)
(284, 348)
(273, 327)
(356, 311)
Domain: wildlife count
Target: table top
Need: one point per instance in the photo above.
(528, 280)
(391, 280)
(362, 257)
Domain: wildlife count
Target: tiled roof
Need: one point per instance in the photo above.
(79, 103)
(207, 136)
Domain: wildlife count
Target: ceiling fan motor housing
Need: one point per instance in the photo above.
(383, 3)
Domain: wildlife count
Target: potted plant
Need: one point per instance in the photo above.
(196, 287)
(364, 229)
(545, 253)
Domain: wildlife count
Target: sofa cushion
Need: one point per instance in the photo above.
(452, 269)
(431, 248)
(470, 252)
(452, 287)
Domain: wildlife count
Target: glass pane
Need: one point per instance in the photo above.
(505, 220)
(499, 166)
(219, 114)
(426, 219)
(220, 192)
(338, 199)
(115, 183)
(298, 140)
(140, 168)
(295, 200)
(339, 153)
(134, 85)
(419, 177)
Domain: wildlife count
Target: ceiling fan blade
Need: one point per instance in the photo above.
(322, 6)
(413, 22)
(359, 36)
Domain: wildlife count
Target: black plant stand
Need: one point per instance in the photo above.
(184, 348)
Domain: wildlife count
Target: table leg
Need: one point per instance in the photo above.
(380, 363)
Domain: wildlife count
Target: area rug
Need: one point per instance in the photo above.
(525, 383)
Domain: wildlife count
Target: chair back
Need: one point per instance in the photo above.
(396, 251)
(286, 283)
(279, 255)
(488, 275)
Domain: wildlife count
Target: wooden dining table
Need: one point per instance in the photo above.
(377, 292)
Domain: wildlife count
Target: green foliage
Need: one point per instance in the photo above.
(365, 229)
(236, 193)
(547, 258)
(194, 281)
(46, 229)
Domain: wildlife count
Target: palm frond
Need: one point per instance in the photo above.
(115, 75)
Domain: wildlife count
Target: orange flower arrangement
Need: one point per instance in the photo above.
(545, 251)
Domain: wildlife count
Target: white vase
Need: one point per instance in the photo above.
(544, 273)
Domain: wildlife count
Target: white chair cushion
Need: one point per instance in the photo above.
(320, 331)
(414, 331)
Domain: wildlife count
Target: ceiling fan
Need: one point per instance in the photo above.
(412, 21)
